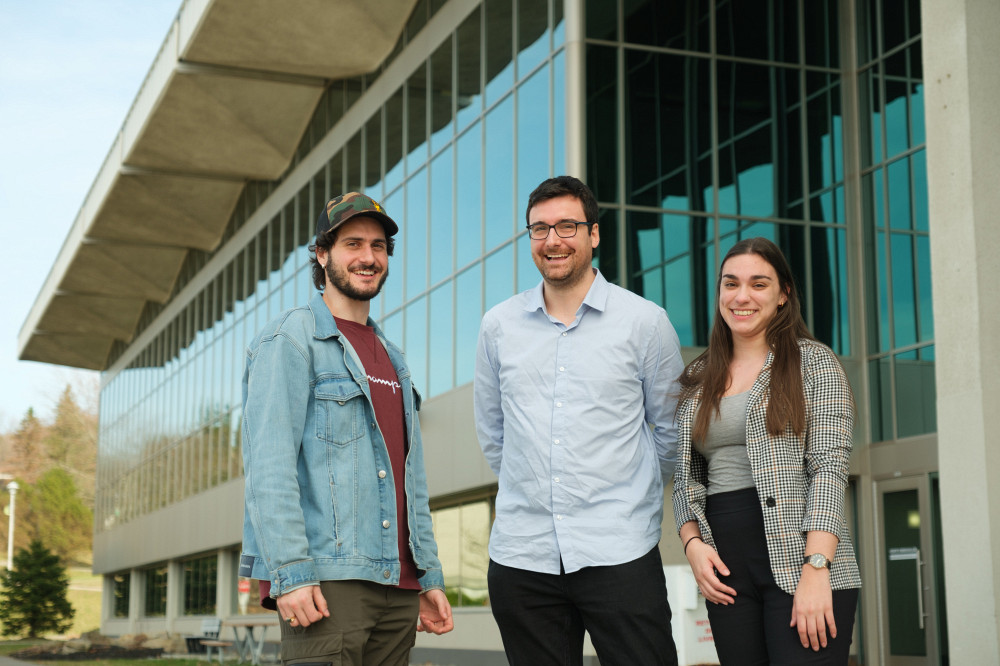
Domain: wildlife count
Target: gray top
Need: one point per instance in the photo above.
(725, 447)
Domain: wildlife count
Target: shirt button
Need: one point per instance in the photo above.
(555, 441)
(770, 501)
(564, 334)
(381, 474)
(385, 524)
(556, 479)
(386, 574)
(558, 404)
(559, 516)
(562, 369)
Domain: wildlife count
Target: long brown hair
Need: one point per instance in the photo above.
(710, 371)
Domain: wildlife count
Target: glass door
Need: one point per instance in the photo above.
(909, 617)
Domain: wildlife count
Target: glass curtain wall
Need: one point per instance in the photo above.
(711, 122)
(900, 340)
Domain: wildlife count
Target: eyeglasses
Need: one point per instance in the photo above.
(564, 229)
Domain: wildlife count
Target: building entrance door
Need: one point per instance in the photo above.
(908, 616)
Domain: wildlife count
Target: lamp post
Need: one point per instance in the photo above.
(12, 488)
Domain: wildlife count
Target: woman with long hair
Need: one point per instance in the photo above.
(765, 426)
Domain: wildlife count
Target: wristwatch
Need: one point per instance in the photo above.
(816, 560)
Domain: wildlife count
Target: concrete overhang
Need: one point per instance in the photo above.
(227, 100)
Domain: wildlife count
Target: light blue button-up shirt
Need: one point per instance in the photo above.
(578, 424)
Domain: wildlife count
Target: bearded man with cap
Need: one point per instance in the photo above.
(336, 523)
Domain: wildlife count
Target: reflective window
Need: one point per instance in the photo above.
(897, 248)
(764, 30)
(462, 533)
(499, 47)
(468, 193)
(498, 202)
(677, 25)
(499, 272)
(200, 575)
(602, 113)
(442, 347)
(532, 136)
(121, 591)
(155, 591)
(532, 34)
(413, 234)
(468, 312)
(442, 234)
(415, 343)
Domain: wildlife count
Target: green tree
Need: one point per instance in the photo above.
(33, 599)
(26, 446)
(71, 443)
(55, 514)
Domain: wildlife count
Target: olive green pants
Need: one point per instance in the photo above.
(369, 625)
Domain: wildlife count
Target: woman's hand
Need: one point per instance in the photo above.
(812, 608)
(706, 566)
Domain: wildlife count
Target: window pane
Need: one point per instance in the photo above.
(442, 232)
(416, 343)
(499, 48)
(678, 25)
(469, 99)
(880, 384)
(916, 398)
(499, 276)
(766, 31)
(532, 136)
(441, 342)
(532, 34)
(903, 291)
(468, 313)
(829, 289)
(499, 204)
(602, 113)
(416, 119)
(414, 234)
(468, 191)
(441, 96)
(393, 140)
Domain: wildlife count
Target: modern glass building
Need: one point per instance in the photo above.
(697, 123)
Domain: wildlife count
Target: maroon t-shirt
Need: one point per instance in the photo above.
(387, 398)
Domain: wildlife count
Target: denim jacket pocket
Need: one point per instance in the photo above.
(340, 411)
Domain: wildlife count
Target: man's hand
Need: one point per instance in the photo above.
(435, 613)
(303, 606)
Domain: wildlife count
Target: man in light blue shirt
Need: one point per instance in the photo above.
(574, 397)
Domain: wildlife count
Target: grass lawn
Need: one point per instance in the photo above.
(85, 596)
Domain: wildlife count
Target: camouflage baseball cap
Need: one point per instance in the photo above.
(340, 209)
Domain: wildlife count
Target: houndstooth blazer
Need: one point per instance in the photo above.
(800, 480)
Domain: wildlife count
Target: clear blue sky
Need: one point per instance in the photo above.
(69, 72)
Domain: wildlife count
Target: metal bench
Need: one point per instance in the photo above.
(210, 629)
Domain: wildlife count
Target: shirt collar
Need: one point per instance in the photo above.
(596, 298)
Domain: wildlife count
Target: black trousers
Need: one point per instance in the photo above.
(755, 630)
(624, 607)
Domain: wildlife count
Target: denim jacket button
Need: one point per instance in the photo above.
(381, 474)
(385, 524)
(386, 574)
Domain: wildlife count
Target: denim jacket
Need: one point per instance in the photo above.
(320, 501)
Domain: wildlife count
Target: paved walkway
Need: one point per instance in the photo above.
(7, 661)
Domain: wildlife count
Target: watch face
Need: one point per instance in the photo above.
(818, 560)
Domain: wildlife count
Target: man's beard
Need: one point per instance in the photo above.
(341, 279)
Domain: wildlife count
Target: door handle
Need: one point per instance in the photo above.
(920, 588)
